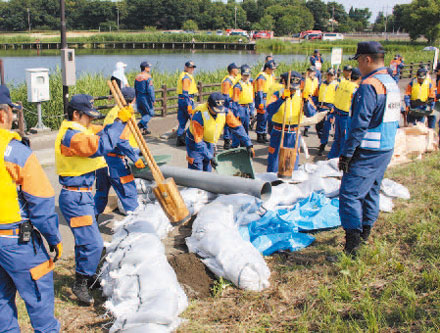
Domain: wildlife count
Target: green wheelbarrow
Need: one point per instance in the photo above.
(235, 162)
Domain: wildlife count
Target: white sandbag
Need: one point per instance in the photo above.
(196, 198)
(142, 289)
(215, 237)
(267, 176)
(385, 203)
(395, 190)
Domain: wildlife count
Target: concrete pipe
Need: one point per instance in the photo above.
(211, 181)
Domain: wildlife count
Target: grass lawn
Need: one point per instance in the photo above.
(393, 286)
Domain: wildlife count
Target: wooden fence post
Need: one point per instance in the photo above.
(411, 67)
(164, 100)
(200, 89)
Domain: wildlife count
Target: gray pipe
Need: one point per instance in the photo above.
(211, 181)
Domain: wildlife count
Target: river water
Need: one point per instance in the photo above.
(103, 61)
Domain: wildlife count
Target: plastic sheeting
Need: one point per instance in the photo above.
(142, 289)
(215, 237)
(281, 230)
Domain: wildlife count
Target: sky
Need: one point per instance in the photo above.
(375, 6)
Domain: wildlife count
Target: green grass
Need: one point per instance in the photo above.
(393, 286)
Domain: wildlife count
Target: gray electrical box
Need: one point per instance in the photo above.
(68, 67)
(37, 82)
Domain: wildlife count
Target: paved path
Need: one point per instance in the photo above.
(42, 144)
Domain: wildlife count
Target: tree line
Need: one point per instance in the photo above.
(419, 18)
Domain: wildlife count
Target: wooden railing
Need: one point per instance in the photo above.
(411, 68)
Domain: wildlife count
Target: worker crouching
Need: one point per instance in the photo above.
(78, 154)
(290, 101)
(205, 129)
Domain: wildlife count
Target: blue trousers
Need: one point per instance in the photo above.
(319, 76)
(342, 124)
(146, 116)
(197, 160)
(261, 127)
(244, 114)
(16, 261)
(117, 175)
(360, 187)
(78, 209)
(432, 119)
(274, 147)
(182, 115)
(323, 128)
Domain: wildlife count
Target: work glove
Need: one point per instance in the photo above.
(189, 109)
(126, 113)
(286, 94)
(139, 164)
(261, 106)
(25, 140)
(58, 251)
(251, 151)
(344, 163)
(214, 164)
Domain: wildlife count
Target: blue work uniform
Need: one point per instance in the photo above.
(227, 83)
(76, 197)
(422, 93)
(185, 99)
(117, 175)
(275, 111)
(243, 108)
(342, 112)
(317, 62)
(203, 134)
(145, 97)
(326, 99)
(25, 266)
(370, 144)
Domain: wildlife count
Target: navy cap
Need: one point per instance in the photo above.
(232, 66)
(5, 97)
(295, 78)
(421, 72)
(145, 64)
(270, 64)
(129, 93)
(368, 48)
(84, 103)
(316, 51)
(330, 71)
(355, 73)
(348, 68)
(216, 102)
(190, 64)
(245, 70)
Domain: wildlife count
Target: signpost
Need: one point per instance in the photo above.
(336, 58)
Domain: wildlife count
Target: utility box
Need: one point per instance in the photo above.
(68, 67)
(37, 81)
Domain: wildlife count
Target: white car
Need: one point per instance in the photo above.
(332, 36)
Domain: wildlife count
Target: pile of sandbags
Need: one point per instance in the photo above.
(142, 288)
(411, 142)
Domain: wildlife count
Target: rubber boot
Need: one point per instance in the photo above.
(352, 241)
(366, 230)
(260, 138)
(180, 142)
(94, 282)
(146, 131)
(321, 149)
(227, 144)
(306, 132)
(265, 138)
(81, 289)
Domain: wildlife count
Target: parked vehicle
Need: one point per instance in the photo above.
(313, 36)
(238, 32)
(307, 32)
(219, 33)
(263, 34)
(332, 36)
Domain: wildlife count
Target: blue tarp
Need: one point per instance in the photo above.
(282, 229)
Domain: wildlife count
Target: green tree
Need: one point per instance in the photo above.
(291, 18)
(424, 20)
(190, 25)
(360, 17)
(320, 14)
(266, 23)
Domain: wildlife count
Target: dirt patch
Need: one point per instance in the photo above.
(192, 274)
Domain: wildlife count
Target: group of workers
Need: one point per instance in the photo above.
(364, 105)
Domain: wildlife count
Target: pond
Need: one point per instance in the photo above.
(103, 61)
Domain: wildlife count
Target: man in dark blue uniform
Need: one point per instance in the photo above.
(145, 97)
(369, 145)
